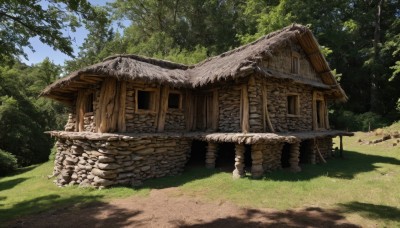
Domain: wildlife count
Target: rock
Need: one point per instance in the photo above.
(107, 166)
(102, 182)
(105, 159)
(104, 174)
(145, 168)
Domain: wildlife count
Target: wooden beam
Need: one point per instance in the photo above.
(245, 110)
(163, 108)
(215, 108)
(314, 110)
(341, 145)
(80, 111)
(122, 108)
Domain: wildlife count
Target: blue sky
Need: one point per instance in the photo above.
(42, 50)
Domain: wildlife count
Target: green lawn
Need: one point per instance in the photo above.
(364, 187)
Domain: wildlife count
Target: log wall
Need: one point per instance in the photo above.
(105, 162)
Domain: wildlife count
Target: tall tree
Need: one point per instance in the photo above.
(21, 20)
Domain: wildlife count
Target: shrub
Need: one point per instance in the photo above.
(347, 120)
(8, 163)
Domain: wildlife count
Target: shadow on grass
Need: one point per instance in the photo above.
(9, 184)
(372, 210)
(76, 211)
(190, 174)
(308, 217)
(346, 168)
(24, 170)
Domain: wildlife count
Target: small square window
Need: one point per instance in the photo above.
(89, 103)
(293, 105)
(174, 100)
(145, 100)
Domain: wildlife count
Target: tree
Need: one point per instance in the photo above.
(21, 20)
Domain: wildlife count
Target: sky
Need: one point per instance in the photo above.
(42, 50)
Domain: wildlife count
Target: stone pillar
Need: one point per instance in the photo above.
(210, 155)
(239, 161)
(256, 157)
(294, 157)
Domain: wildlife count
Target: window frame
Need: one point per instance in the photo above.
(180, 107)
(295, 63)
(296, 105)
(153, 100)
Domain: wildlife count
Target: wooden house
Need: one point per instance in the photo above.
(134, 118)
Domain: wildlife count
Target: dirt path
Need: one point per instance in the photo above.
(165, 208)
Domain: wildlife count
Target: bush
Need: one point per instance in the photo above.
(347, 120)
(8, 163)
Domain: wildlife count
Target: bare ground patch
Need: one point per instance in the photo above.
(168, 208)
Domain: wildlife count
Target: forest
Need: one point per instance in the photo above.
(360, 38)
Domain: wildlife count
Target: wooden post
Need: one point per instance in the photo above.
(341, 146)
(189, 110)
(257, 170)
(314, 110)
(266, 119)
(122, 107)
(211, 155)
(80, 111)
(294, 157)
(163, 108)
(215, 109)
(245, 110)
(239, 161)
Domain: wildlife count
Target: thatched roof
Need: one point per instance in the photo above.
(238, 62)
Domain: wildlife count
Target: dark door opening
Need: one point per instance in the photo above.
(197, 154)
(305, 151)
(225, 157)
(247, 158)
(285, 156)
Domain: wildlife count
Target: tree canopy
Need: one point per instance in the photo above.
(360, 39)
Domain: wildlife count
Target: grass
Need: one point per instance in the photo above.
(30, 191)
(364, 186)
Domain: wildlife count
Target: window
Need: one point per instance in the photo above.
(293, 105)
(145, 100)
(89, 103)
(174, 100)
(295, 63)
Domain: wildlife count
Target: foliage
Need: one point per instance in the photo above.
(8, 163)
(347, 120)
(22, 20)
(23, 116)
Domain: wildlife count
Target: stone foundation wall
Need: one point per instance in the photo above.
(325, 146)
(272, 156)
(112, 161)
(229, 108)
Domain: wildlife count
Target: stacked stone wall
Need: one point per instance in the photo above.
(255, 103)
(174, 120)
(272, 156)
(325, 147)
(111, 161)
(229, 108)
(277, 106)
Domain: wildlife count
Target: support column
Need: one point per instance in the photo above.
(257, 170)
(239, 161)
(294, 157)
(210, 155)
(341, 146)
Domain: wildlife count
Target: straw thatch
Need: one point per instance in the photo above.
(239, 62)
